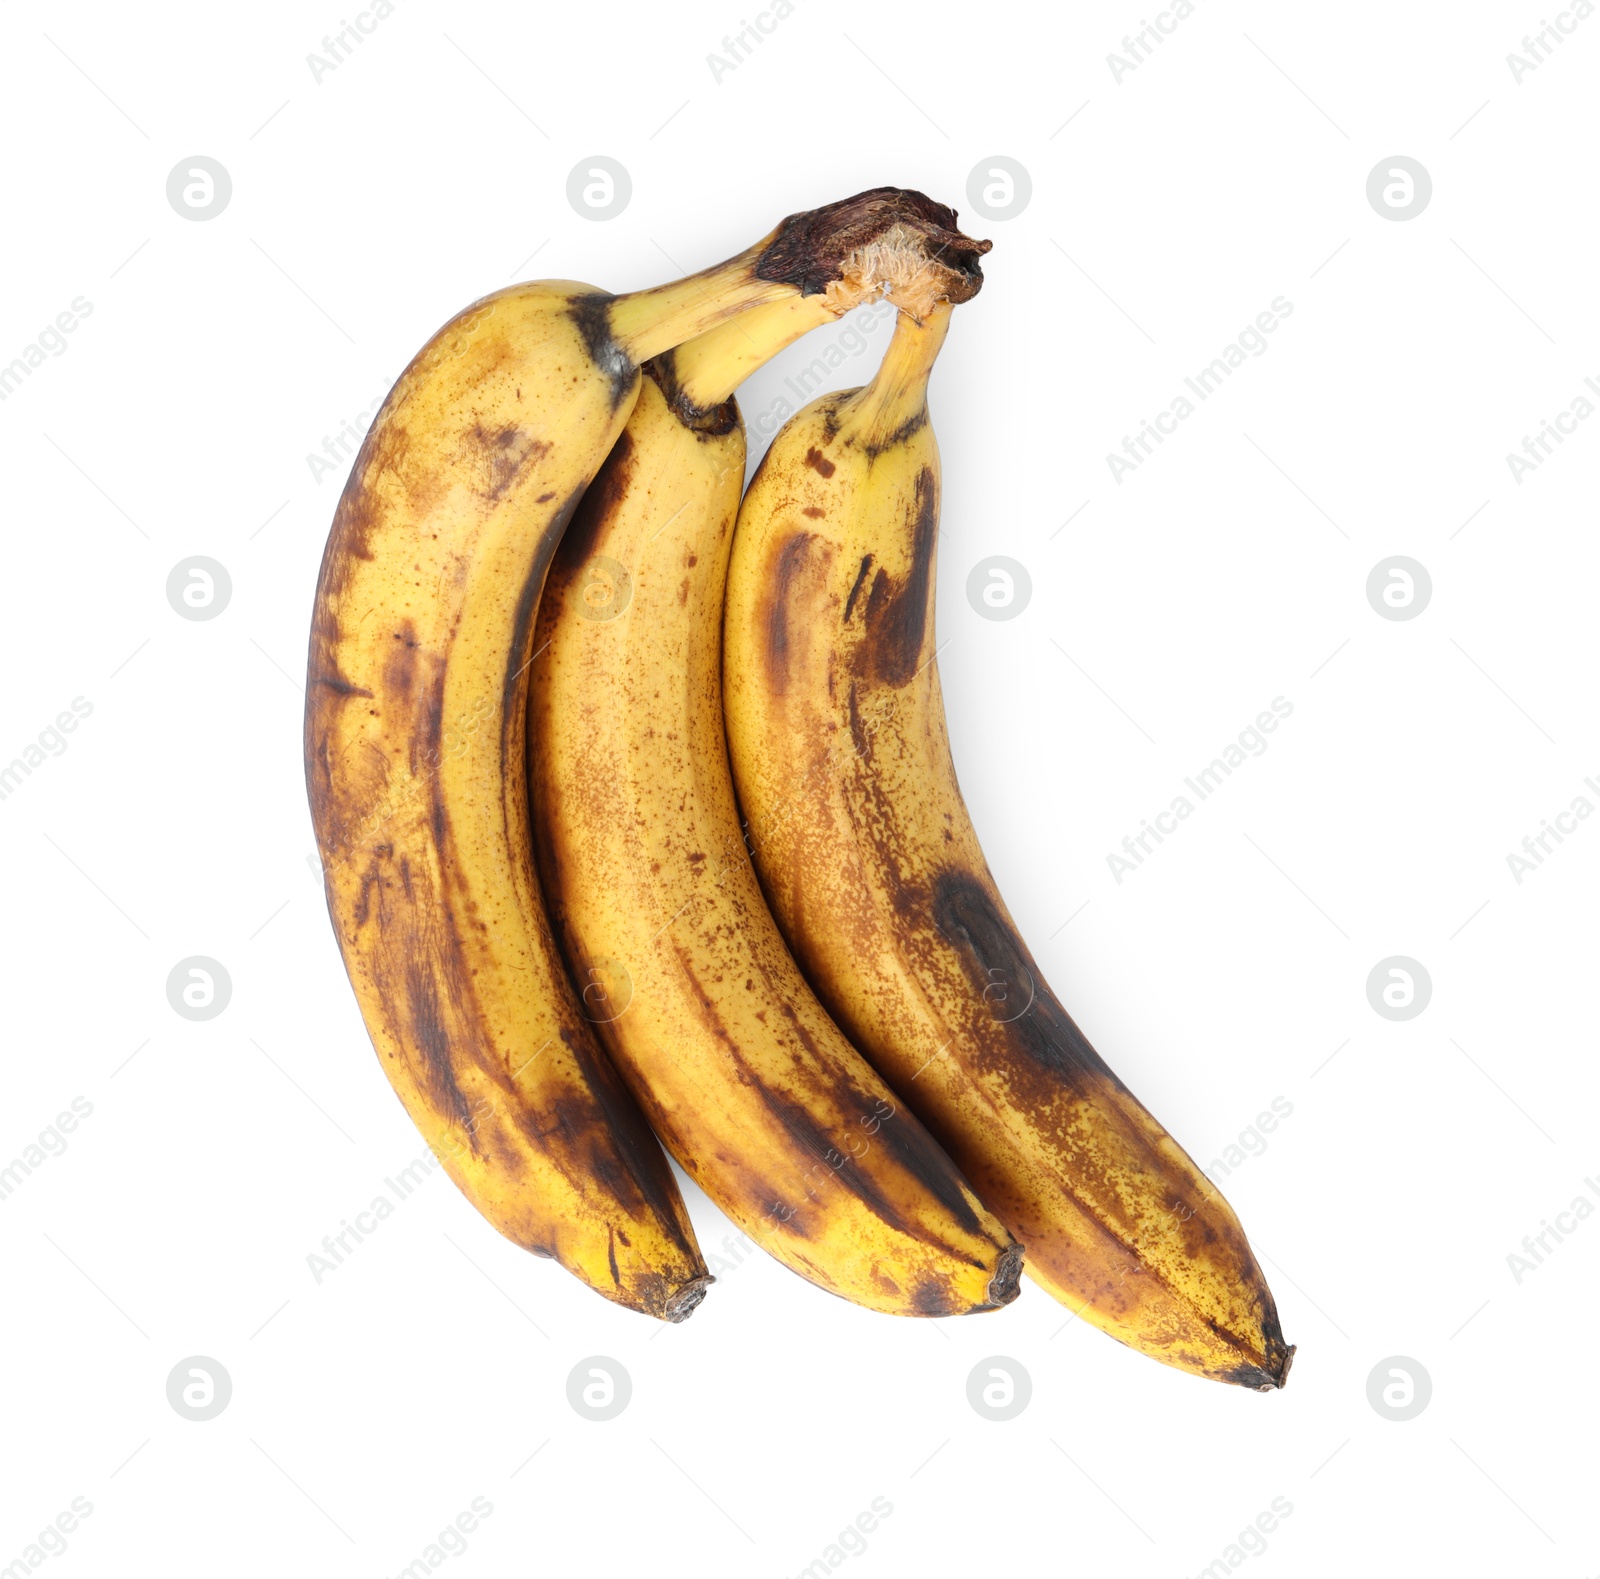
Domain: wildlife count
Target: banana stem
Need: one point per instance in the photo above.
(898, 392)
(646, 323)
(710, 367)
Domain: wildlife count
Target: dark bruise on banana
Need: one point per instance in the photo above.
(865, 851)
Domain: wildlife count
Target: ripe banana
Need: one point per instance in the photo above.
(837, 737)
(415, 727)
(638, 842)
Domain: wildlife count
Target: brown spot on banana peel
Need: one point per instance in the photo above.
(616, 1133)
(801, 1126)
(991, 951)
(873, 448)
(430, 1034)
(499, 456)
(859, 735)
(370, 879)
(598, 503)
(514, 688)
(789, 563)
(339, 685)
(913, 1149)
(855, 590)
(710, 422)
(896, 613)
(384, 455)
(400, 672)
(820, 464)
(592, 314)
(913, 1153)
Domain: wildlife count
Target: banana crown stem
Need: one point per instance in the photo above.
(646, 323)
(711, 366)
(898, 392)
(888, 240)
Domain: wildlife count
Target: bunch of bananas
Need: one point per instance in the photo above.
(638, 819)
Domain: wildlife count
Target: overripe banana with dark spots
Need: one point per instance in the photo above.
(740, 1070)
(865, 851)
(414, 738)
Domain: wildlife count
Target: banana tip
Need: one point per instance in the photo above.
(682, 1305)
(1282, 1378)
(1267, 1377)
(1006, 1283)
(1268, 1381)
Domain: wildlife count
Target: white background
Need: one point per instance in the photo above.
(1167, 210)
